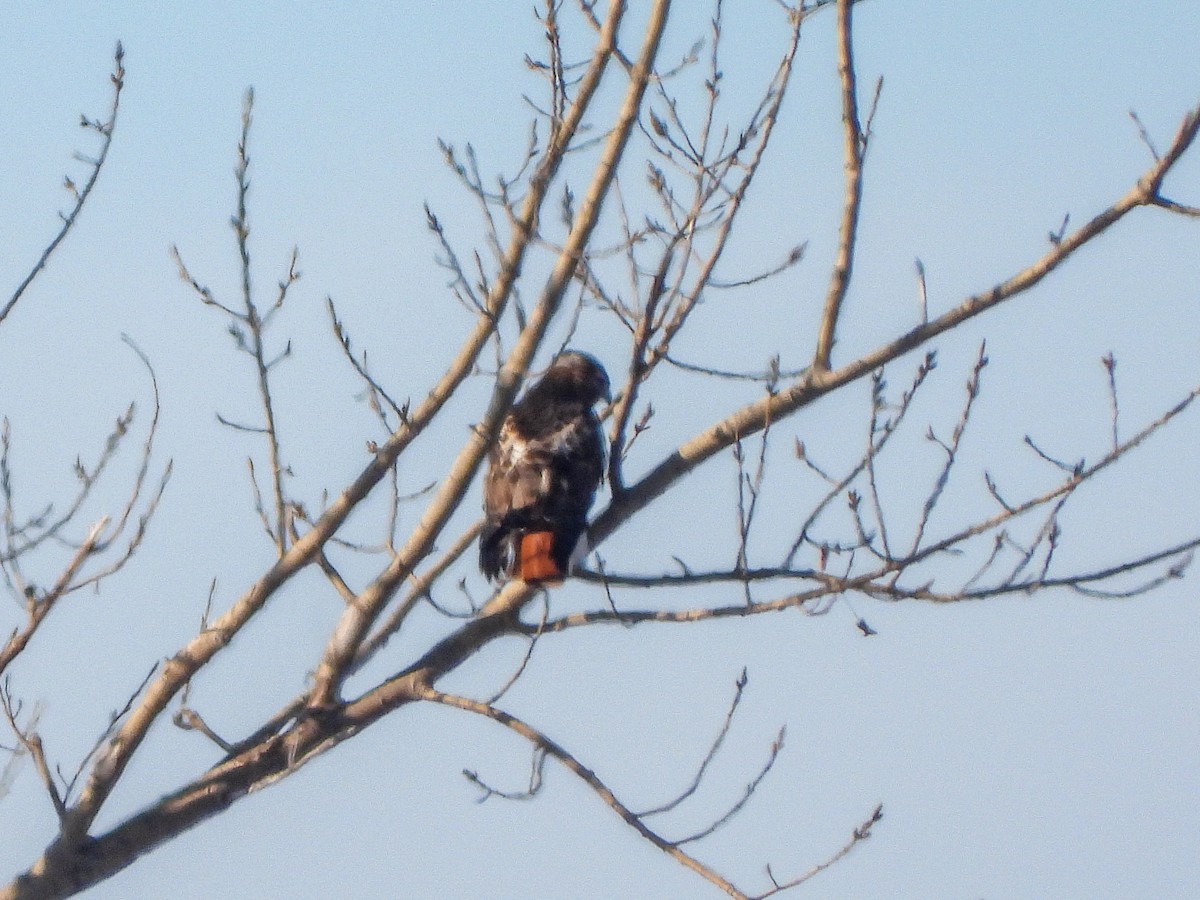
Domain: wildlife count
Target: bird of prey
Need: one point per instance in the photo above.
(543, 472)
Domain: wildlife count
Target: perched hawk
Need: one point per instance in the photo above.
(543, 473)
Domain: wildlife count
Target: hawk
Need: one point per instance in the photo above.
(543, 472)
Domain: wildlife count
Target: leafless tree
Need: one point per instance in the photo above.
(649, 189)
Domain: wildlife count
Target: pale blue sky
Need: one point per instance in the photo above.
(1041, 747)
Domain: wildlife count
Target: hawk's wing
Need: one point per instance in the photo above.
(545, 481)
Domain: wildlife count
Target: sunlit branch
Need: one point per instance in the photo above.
(115, 717)
(680, 259)
(111, 762)
(358, 619)
(853, 149)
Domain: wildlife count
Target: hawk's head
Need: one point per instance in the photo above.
(576, 376)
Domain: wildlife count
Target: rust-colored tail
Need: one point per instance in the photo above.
(536, 563)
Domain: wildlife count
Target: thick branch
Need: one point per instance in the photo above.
(852, 153)
(178, 671)
(358, 619)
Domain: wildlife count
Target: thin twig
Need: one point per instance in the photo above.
(861, 833)
(751, 787)
(105, 130)
(739, 688)
(573, 765)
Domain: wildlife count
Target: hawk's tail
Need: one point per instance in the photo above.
(537, 555)
(539, 562)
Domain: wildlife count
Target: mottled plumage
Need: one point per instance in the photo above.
(543, 472)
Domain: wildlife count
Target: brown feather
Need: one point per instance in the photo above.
(545, 467)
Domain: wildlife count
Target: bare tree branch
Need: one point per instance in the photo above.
(552, 748)
(853, 150)
(708, 757)
(861, 833)
(105, 130)
(648, 277)
(358, 619)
